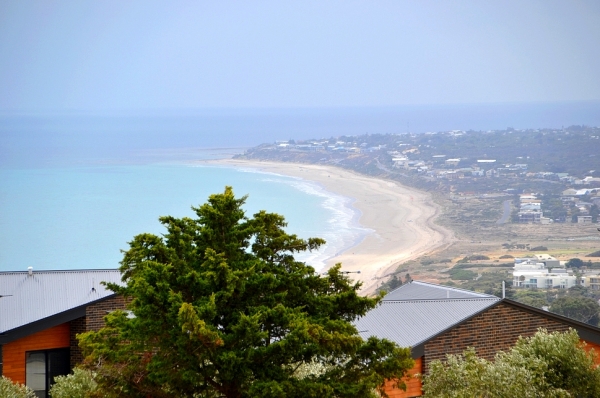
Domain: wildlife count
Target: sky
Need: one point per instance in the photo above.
(139, 55)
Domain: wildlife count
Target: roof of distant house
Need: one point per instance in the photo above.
(417, 311)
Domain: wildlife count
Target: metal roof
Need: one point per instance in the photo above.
(29, 298)
(411, 322)
(416, 290)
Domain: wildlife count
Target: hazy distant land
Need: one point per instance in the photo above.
(473, 178)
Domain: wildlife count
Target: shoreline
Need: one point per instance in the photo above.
(401, 218)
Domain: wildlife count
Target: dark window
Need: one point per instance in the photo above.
(41, 367)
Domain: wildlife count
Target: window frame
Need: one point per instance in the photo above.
(48, 372)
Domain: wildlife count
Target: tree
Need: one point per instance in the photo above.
(544, 365)
(534, 298)
(219, 307)
(575, 263)
(583, 309)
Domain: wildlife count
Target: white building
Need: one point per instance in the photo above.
(542, 272)
(545, 272)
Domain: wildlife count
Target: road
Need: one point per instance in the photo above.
(505, 212)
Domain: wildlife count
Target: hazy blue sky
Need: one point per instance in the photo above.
(189, 54)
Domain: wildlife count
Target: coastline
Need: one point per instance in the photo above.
(401, 218)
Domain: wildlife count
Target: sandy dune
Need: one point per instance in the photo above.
(402, 218)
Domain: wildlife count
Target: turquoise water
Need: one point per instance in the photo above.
(81, 217)
(76, 187)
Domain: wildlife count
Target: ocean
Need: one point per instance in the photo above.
(75, 187)
(81, 217)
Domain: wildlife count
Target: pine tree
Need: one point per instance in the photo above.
(219, 307)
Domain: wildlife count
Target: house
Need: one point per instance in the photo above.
(41, 312)
(543, 272)
(530, 217)
(436, 320)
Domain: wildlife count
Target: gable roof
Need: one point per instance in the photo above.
(417, 311)
(44, 299)
(416, 290)
(426, 310)
(409, 323)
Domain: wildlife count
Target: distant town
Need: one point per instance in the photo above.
(545, 175)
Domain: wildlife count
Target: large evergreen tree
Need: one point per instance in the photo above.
(219, 307)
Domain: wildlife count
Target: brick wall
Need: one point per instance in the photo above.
(496, 329)
(95, 313)
(77, 327)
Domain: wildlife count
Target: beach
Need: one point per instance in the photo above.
(402, 219)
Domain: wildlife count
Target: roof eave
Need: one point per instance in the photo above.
(48, 322)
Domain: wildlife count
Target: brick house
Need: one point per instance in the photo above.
(437, 320)
(41, 313)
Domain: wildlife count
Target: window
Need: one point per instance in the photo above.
(41, 367)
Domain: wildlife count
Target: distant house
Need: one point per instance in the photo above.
(584, 219)
(530, 217)
(41, 312)
(436, 320)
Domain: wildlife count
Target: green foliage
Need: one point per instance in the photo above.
(462, 274)
(8, 389)
(575, 263)
(79, 384)
(544, 365)
(583, 309)
(222, 309)
(491, 283)
(534, 298)
(474, 257)
(594, 212)
(506, 256)
(538, 249)
(479, 265)
(391, 284)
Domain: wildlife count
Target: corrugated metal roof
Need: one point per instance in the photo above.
(416, 290)
(411, 322)
(29, 298)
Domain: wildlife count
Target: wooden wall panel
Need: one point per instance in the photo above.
(593, 346)
(14, 352)
(413, 384)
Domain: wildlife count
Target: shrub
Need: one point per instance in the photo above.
(544, 365)
(538, 249)
(76, 385)
(594, 254)
(462, 275)
(478, 257)
(8, 389)
(506, 256)
(575, 263)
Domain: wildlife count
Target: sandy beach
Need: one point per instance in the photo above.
(402, 218)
